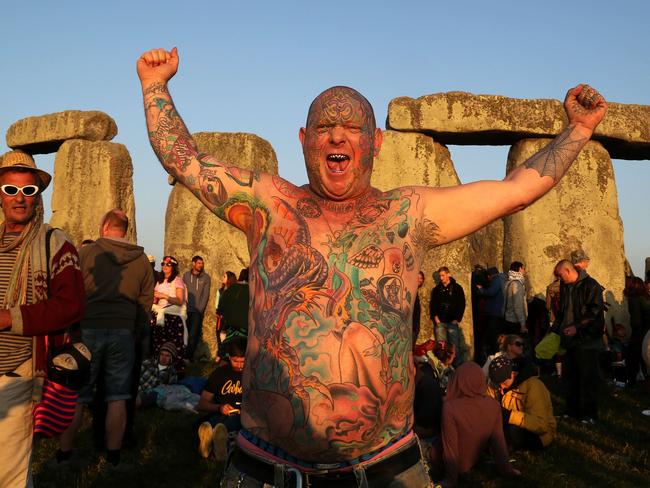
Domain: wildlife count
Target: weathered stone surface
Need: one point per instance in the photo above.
(486, 245)
(239, 149)
(581, 212)
(468, 119)
(45, 134)
(91, 178)
(190, 228)
(416, 159)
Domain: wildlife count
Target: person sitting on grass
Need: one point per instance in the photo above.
(471, 423)
(441, 359)
(510, 346)
(155, 373)
(221, 401)
(528, 421)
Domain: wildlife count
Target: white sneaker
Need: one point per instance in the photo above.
(220, 443)
(205, 439)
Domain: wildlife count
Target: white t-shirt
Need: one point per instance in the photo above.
(170, 289)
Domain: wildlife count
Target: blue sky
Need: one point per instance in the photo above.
(256, 66)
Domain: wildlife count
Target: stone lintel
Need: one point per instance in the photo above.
(466, 119)
(45, 133)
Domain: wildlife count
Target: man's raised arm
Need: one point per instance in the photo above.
(454, 212)
(209, 180)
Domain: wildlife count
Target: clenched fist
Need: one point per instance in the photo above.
(157, 65)
(585, 107)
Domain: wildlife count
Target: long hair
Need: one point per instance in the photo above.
(231, 279)
(174, 273)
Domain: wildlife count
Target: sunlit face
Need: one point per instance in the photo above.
(445, 277)
(18, 209)
(237, 363)
(515, 349)
(567, 275)
(340, 143)
(198, 265)
(420, 279)
(508, 383)
(165, 358)
(167, 267)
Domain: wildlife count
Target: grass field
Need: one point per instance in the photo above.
(613, 453)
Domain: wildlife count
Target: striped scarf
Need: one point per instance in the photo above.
(16, 293)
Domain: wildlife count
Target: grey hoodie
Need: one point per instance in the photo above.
(119, 284)
(516, 307)
(198, 291)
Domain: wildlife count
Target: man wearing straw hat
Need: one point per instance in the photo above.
(38, 299)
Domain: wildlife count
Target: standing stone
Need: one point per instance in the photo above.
(191, 229)
(581, 212)
(409, 158)
(91, 178)
(486, 245)
(45, 134)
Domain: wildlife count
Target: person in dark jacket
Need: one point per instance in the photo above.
(446, 308)
(494, 321)
(580, 324)
(233, 307)
(638, 304)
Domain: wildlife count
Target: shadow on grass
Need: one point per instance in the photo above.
(612, 453)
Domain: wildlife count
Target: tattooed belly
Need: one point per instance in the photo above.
(343, 420)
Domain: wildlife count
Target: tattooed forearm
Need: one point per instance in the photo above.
(155, 88)
(556, 158)
(168, 135)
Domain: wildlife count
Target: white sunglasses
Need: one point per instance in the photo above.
(27, 190)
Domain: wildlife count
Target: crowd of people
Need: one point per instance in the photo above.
(518, 339)
(324, 380)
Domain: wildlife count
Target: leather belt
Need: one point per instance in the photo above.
(378, 474)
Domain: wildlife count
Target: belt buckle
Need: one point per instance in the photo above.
(299, 477)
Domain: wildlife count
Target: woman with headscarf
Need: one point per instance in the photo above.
(471, 423)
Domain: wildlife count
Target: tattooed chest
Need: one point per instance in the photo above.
(364, 264)
(332, 304)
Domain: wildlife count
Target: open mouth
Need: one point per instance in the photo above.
(337, 163)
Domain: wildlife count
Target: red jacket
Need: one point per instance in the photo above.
(62, 305)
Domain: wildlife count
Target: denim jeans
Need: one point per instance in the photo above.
(194, 329)
(450, 332)
(414, 477)
(113, 353)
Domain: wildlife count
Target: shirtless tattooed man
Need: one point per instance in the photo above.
(328, 382)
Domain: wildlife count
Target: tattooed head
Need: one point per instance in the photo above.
(339, 143)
